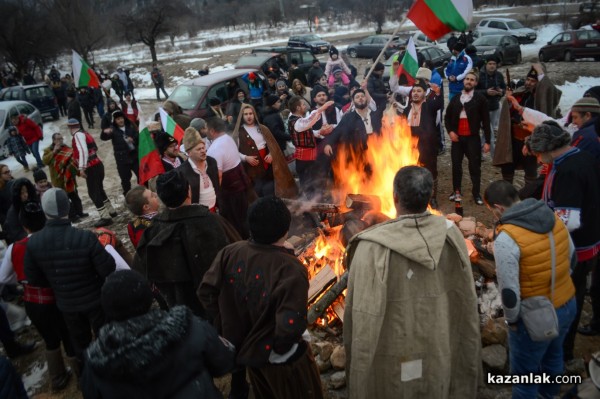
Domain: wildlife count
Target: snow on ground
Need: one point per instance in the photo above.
(544, 35)
(50, 127)
(33, 379)
(573, 91)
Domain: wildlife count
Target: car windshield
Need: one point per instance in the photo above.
(187, 96)
(252, 60)
(311, 38)
(487, 41)
(38, 92)
(514, 25)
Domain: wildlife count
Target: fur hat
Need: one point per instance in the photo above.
(420, 83)
(586, 104)
(55, 203)
(198, 123)
(548, 137)
(318, 89)
(172, 188)
(72, 122)
(333, 50)
(125, 294)
(532, 73)
(163, 141)
(191, 138)
(154, 126)
(39, 175)
(32, 216)
(379, 67)
(424, 73)
(269, 220)
(272, 99)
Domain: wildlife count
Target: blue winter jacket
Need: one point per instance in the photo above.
(458, 66)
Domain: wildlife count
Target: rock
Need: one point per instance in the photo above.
(470, 219)
(337, 380)
(323, 365)
(575, 367)
(338, 358)
(325, 349)
(494, 332)
(494, 358)
(467, 227)
(454, 217)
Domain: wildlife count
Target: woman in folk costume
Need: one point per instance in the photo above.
(262, 157)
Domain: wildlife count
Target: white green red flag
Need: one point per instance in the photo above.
(435, 18)
(83, 75)
(150, 163)
(409, 66)
(170, 126)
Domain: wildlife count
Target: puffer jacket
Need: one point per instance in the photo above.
(458, 67)
(157, 355)
(71, 261)
(122, 152)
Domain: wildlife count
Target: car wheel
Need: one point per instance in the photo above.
(519, 59)
(352, 53)
(568, 57)
(541, 57)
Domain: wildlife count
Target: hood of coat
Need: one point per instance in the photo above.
(138, 346)
(419, 238)
(530, 214)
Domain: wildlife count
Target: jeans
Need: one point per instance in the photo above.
(100, 108)
(22, 159)
(35, 150)
(158, 88)
(527, 356)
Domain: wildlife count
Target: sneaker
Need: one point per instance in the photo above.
(455, 197)
(478, 200)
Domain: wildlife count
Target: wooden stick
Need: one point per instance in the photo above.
(385, 47)
(316, 310)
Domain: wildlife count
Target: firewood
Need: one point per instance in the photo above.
(486, 267)
(323, 279)
(339, 307)
(340, 218)
(319, 307)
(363, 201)
(304, 206)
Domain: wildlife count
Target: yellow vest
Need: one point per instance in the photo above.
(535, 264)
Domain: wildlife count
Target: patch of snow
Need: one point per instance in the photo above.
(544, 35)
(33, 378)
(573, 91)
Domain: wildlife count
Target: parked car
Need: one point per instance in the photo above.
(437, 56)
(501, 26)
(10, 108)
(312, 42)
(371, 46)
(39, 95)
(193, 95)
(261, 61)
(420, 39)
(505, 47)
(571, 45)
(304, 56)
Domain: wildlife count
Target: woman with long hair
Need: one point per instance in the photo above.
(300, 90)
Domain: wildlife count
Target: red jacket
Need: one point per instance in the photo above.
(30, 131)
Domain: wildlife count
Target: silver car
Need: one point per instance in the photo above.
(10, 108)
(506, 26)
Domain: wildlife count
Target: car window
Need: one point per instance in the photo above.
(35, 93)
(188, 96)
(556, 38)
(497, 25)
(13, 95)
(566, 37)
(368, 40)
(483, 22)
(219, 90)
(305, 57)
(25, 109)
(514, 25)
(512, 40)
(583, 35)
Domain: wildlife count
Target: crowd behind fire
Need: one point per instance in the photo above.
(214, 287)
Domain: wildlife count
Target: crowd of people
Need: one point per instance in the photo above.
(214, 286)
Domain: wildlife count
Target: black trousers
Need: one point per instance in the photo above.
(7, 337)
(81, 325)
(95, 184)
(234, 208)
(76, 205)
(527, 163)
(158, 88)
(88, 113)
(595, 295)
(124, 168)
(307, 172)
(428, 153)
(62, 106)
(49, 322)
(579, 277)
(471, 147)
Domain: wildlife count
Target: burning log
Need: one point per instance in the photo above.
(319, 307)
(363, 202)
(486, 267)
(323, 279)
(303, 206)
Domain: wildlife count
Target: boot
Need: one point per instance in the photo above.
(111, 210)
(105, 219)
(508, 178)
(74, 365)
(59, 375)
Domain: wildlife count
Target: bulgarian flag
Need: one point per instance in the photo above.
(409, 64)
(169, 125)
(150, 162)
(83, 75)
(435, 18)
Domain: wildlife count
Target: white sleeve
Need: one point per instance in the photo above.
(467, 69)
(82, 149)
(120, 262)
(372, 104)
(7, 273)
(303, 124)
(396, 88)
(533, 117)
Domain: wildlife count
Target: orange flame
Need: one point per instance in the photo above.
(331, 248)
(387, 153)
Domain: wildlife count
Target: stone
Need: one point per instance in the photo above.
(337, 380)
(494, 332)
(338, 358)
(454, 217)
(323, 365)
(471, 219)
(494, 358)
(324, 349)
(467, 227)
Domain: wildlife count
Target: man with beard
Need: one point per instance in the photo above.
(329, 119)
(491, 85)
(421, 114)
(540, 94)
(354, 129)
(169, 150)
(262, 158)
(124, 139)
(466, 114)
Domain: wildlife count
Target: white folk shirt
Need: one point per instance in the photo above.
(258, 138)
(207, 197)
(224, 150)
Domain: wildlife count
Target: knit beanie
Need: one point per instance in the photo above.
(336, 69)
(272, 99)
(72, 122)
(39, 175)
(379, 67)
(55, 203)
(333, 50)
(586, 104)
(548, 137)
(32, 216)
(269, 219)
(191, 138)
(125, 294)
(172, 188)
(424, 73)
(214, 101)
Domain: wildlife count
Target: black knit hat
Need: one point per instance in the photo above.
(318, 89)
(172, 188)
(379, 67)
(333, 50)
(269, 219)
(32, 216)
(272, 99)
(214, 101)
(39, 175)
(117, 114)
(125, 294)
(163, 141)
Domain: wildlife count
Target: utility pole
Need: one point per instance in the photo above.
(281, 9)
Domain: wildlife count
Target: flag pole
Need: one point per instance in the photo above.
(386, 46)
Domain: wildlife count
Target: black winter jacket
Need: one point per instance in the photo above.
(157, 355)
(378, 92)
(273, 120)
(123, 154)
(487, 81)
(12, 225)
(74, 110)
(477, 115)
(69, 260)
